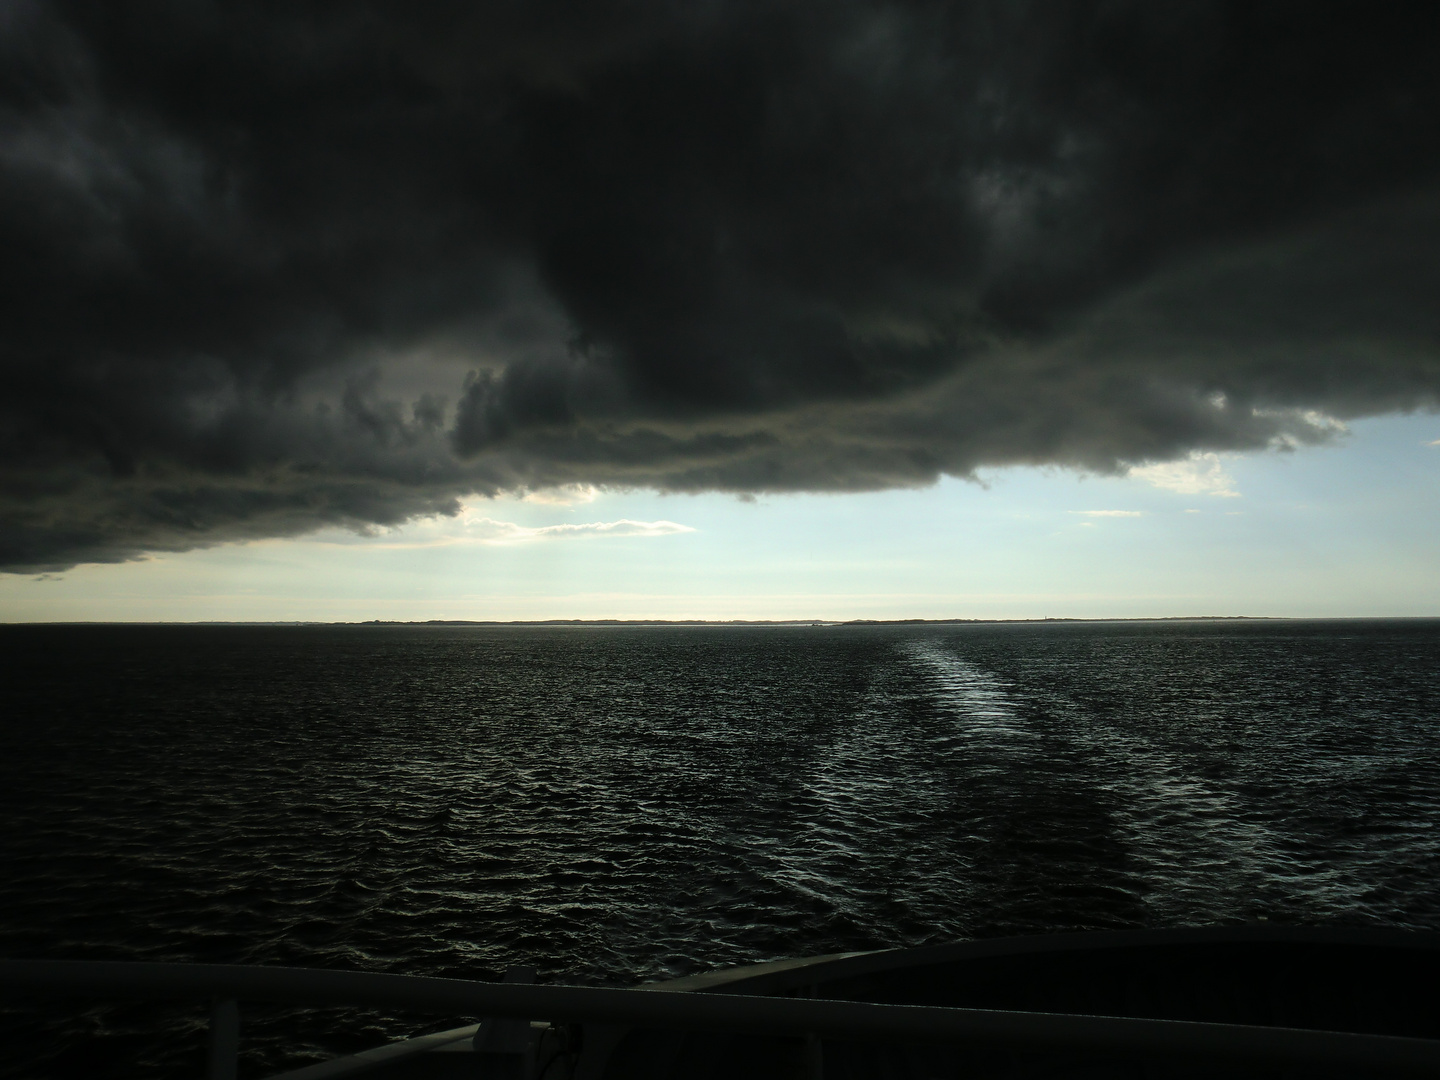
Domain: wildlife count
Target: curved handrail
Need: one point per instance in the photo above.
(782, 976)
(726, 1012)
(379, 1056)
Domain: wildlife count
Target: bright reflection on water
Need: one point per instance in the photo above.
(615, 804)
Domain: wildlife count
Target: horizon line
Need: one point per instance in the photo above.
(718, 622)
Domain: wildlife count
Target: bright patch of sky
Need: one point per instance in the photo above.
(1343, 530)
(1199, 474)
(472, 527)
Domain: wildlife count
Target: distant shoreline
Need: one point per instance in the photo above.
(770, 622)
(520, 623)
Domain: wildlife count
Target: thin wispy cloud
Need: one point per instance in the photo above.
(468, 528)
(564, 495)
(1109, 513)
(488, 530)
(1199, 474)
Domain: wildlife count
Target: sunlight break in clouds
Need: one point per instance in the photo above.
(1199, 474)
(564, 495)
(490, 531)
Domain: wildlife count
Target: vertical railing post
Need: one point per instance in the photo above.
(506, 1045)
(814, 1048)
(224, 1039)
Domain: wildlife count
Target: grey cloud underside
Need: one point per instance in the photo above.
(265, 270)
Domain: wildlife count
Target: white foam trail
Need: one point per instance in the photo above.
(1197, 842)
(979, 699)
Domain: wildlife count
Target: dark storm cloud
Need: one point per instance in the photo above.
(264, 269)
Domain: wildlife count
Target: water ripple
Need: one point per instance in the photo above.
(627, 803)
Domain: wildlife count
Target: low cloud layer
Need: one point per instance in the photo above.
(271, 268)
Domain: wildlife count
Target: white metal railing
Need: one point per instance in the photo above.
(225, 985)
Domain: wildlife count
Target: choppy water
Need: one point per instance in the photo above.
(620, 803)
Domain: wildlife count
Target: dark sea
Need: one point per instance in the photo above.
(614, 804)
